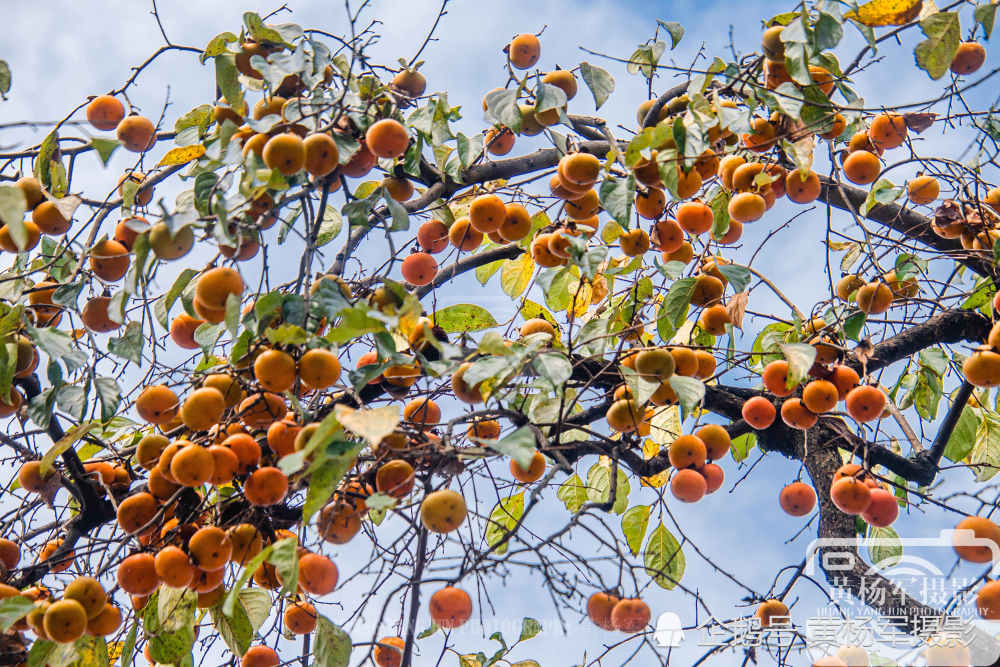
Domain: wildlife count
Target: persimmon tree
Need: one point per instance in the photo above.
(218, 402)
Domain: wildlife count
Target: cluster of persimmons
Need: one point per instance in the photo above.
(232, 427)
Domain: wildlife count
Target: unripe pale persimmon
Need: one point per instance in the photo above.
(442, 511)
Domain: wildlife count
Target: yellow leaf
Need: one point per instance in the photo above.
(115, 651)
(651, 448)
(181, 155)
(878, 13)
(73, 435)
(372, 425)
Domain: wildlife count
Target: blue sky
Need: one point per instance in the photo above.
(742, 531)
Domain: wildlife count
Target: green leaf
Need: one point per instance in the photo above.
(718, 201)
(519, 445)
(573, 493)
(676, 31)
(501, 105)
(333, 645)
(503, 519)
(217, 45)
(944, 33)
(554, 367)
(690, 393)
(738, 276)
(883, 192)
(963, 437)
(985, 454)
(887, 555)
(129, 345)
(464, 317)
(226, 77)
(675, 304)
(12, 209)
(982, 294)
(827, 31)
(599, 486)
(72, 436)
(285, 559)
(110, 396)
(400, 218)
(515, 275)
(257, 603)
(986, 15)
(128, 650)
(324, 478)
(13, 609)
(853, 325)
(45, 152)
(529, 629)
(260, 31)
(645, 59)
(664, 560)
(104, 148)
(168, 646)
(800, 358)
(789, 99)
(740, 446)
(162, 307)
(548, 96)
(634, 524)
(599, 81)
(486, 271)
(235, 629)
(5, 79)
(617, 195)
